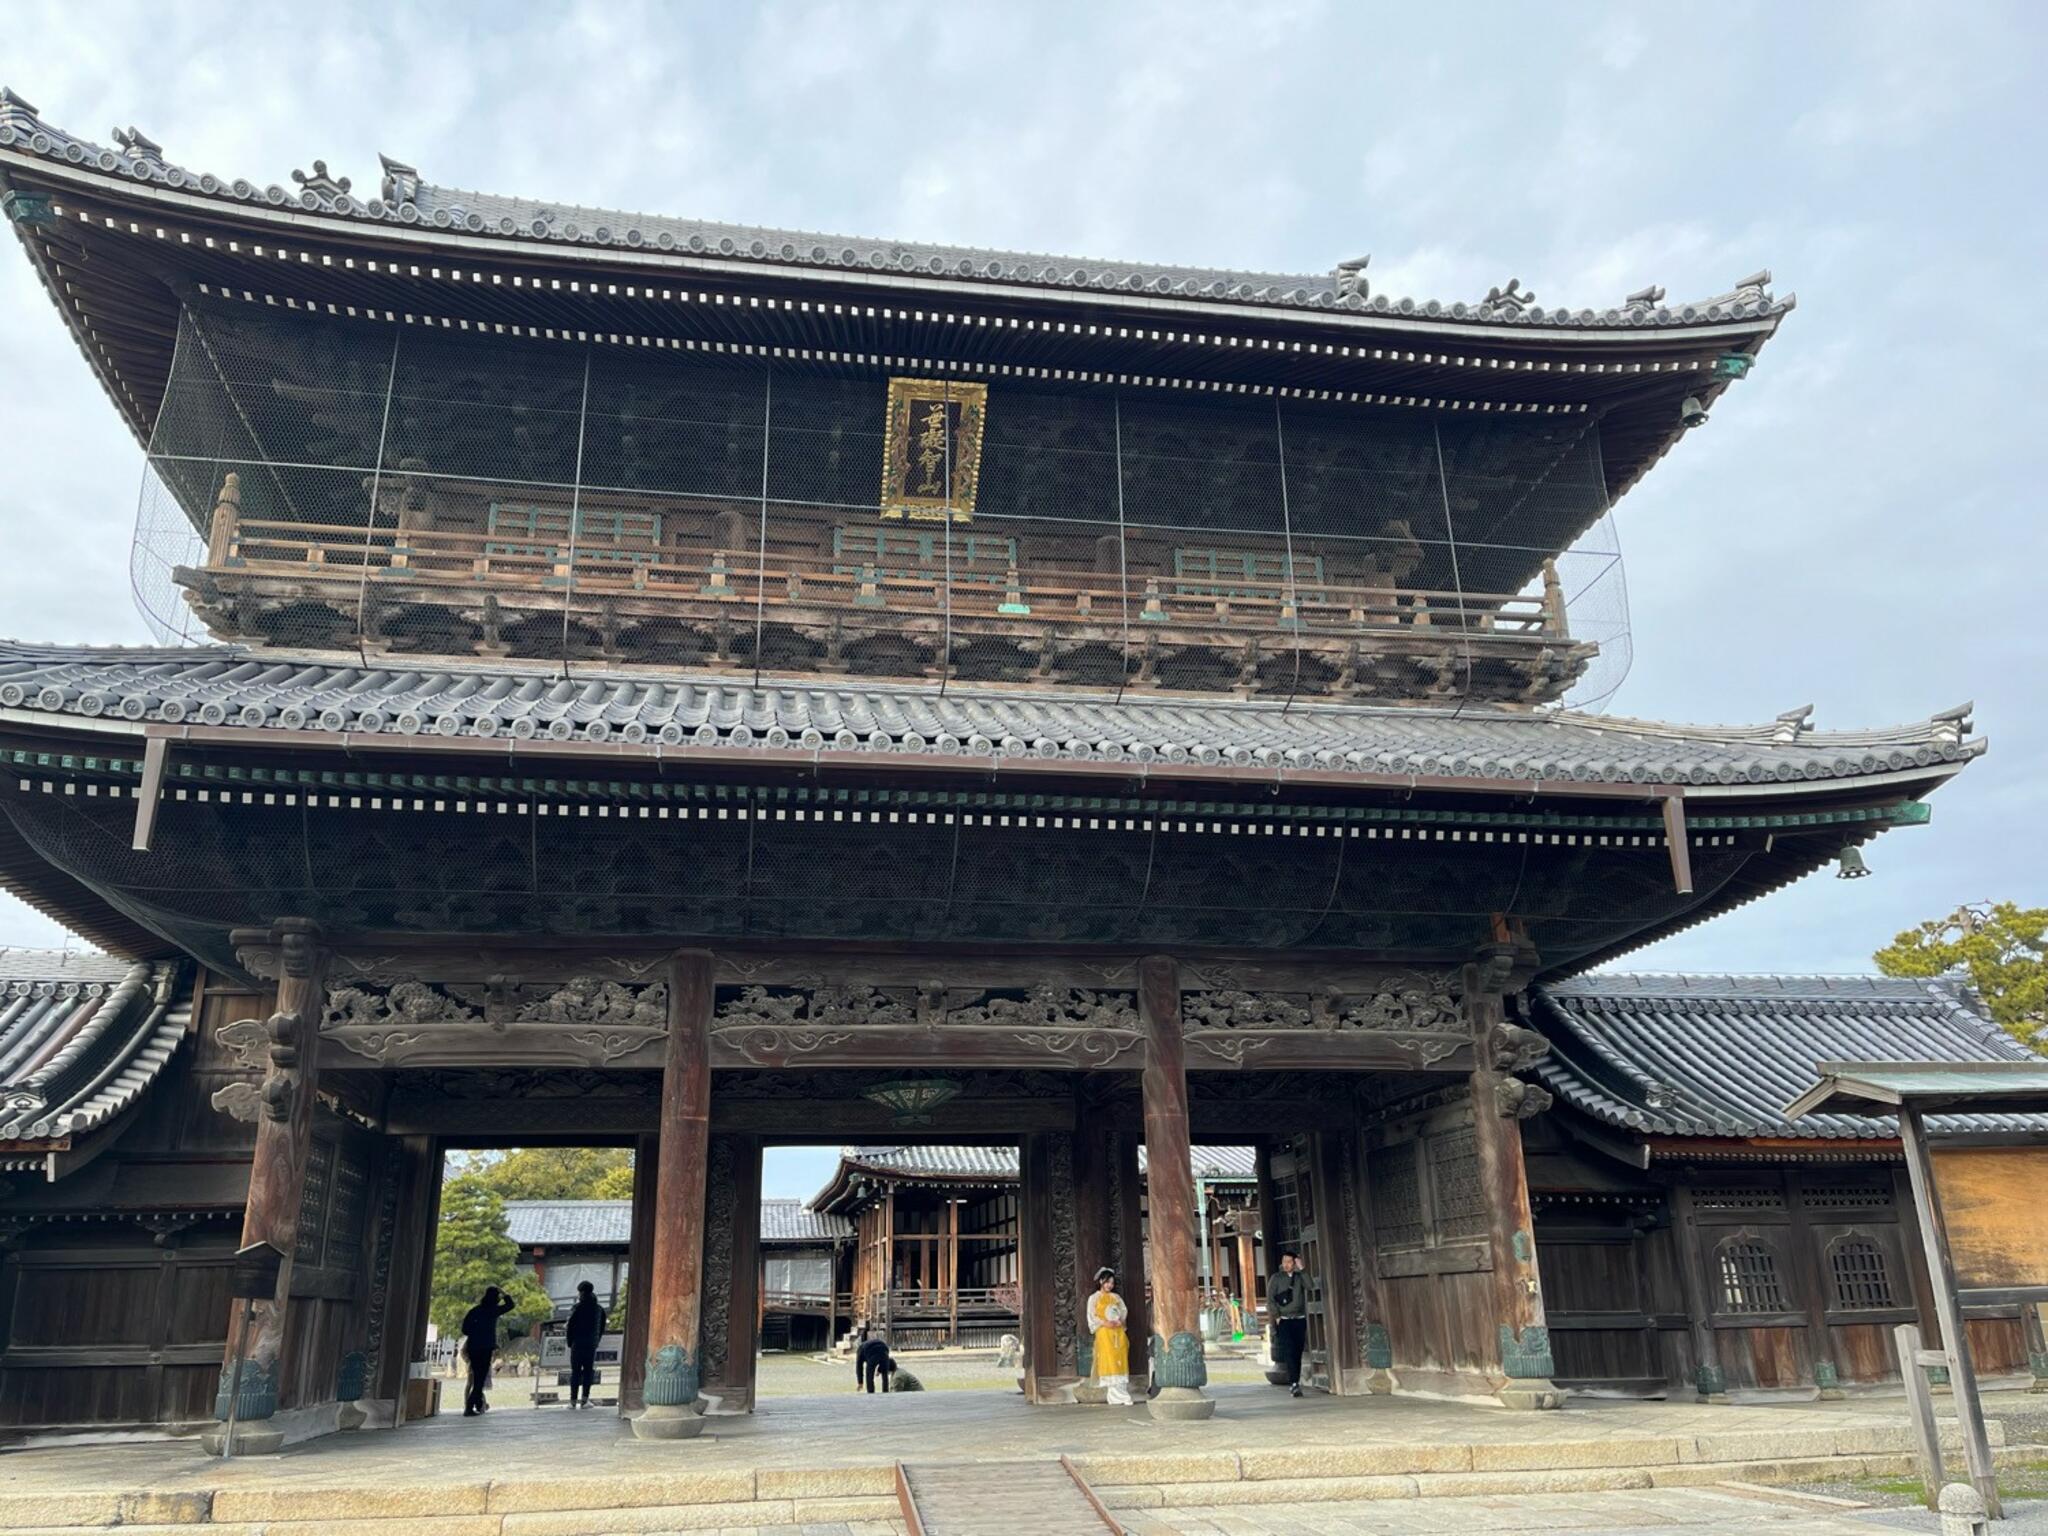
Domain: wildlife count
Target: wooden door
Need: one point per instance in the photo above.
(1295, 1211)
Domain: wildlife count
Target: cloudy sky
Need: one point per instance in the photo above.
(1860, 526)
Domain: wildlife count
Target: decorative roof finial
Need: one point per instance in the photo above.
(1793, 724)
(1952, 725)
(320, 183)
(1643, 300)
(401, 181)
(1750, 290)
(139, 144)
(16, 109)
(1350, 276)
(1511, 298)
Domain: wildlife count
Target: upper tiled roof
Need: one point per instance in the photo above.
(792, 1221)
(265, 690)
(408, 202)
(1722, 1056)
(81, 1036)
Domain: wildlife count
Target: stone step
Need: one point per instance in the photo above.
(298, 1505)
(984, 1498)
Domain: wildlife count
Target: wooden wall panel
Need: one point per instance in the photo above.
(1991, 1199)
(1775, 1357)
(1998, 1345)
(1864, 1352)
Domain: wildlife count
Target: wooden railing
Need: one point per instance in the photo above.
(460, 564)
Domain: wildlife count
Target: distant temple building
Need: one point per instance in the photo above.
(632, 680)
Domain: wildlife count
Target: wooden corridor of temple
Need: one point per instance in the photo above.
(983, 1498)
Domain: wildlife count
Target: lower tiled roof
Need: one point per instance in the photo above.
(1001, 1162)
(569, 1223)
(81, 1036)
(269, 691)
(792, 1221)
(1721, 1056)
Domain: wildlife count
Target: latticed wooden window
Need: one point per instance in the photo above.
(1862, 1279)
(1749, 1277)
(1455, 1193)
(1738, 1197)
(1849, 1197)
(1396, 1193)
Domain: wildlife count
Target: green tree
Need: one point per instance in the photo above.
(551, 1173)
(614, 1183)
(472, 1252)
(2001, 947)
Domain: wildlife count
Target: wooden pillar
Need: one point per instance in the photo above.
(1500, 1101)
(952, 1271)
(732, 1272)
(1177, 1357)
(1127, 1249)
(1948, 1306)
(290, 953)
(639, 1265)
(1049, 1300)
(675, 1277)
(1247, 1276)
(1094, 1236)
(418, 1175)
(1810, 1285)
(1708, 1377)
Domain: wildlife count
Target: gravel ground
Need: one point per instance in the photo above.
(2025, 1424)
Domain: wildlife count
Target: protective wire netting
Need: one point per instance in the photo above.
(403, 492)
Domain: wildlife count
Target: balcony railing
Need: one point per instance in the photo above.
(449, 591)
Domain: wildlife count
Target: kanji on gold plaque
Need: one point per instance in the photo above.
(931, 460)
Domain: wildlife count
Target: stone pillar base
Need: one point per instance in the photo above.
(351, 1416)
(668, 1423)
(1180, 1405)
(254, 1437)
(1090, 1391)
(1530, 1394)
(1380, 1384)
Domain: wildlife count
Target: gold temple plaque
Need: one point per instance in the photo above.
(931, 458)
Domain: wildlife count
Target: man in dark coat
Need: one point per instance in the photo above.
(871, 1360)
(584, 1330)
(1287, 1298)
(479, 1343)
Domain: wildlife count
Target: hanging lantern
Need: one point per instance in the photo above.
(912, 1100)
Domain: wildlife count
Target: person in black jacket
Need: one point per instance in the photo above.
(584, 1330)
(871, 1360)
(1287, 1300)
(479, 1343)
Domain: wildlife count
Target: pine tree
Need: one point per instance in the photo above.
(472, 1253)
(2001, 948)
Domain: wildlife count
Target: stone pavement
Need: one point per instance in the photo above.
(829, 1462)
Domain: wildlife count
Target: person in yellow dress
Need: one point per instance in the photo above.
(1106, 1317)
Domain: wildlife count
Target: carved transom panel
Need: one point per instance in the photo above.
(1416, 1012)
(584, 1021)
(1065, 1025)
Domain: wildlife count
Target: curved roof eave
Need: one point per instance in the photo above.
(1748, 312)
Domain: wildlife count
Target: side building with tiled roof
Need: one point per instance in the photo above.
(1692, 1236)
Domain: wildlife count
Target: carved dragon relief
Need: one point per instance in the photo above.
(769, 1026)
(585, 1021)
(1415, 1013)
